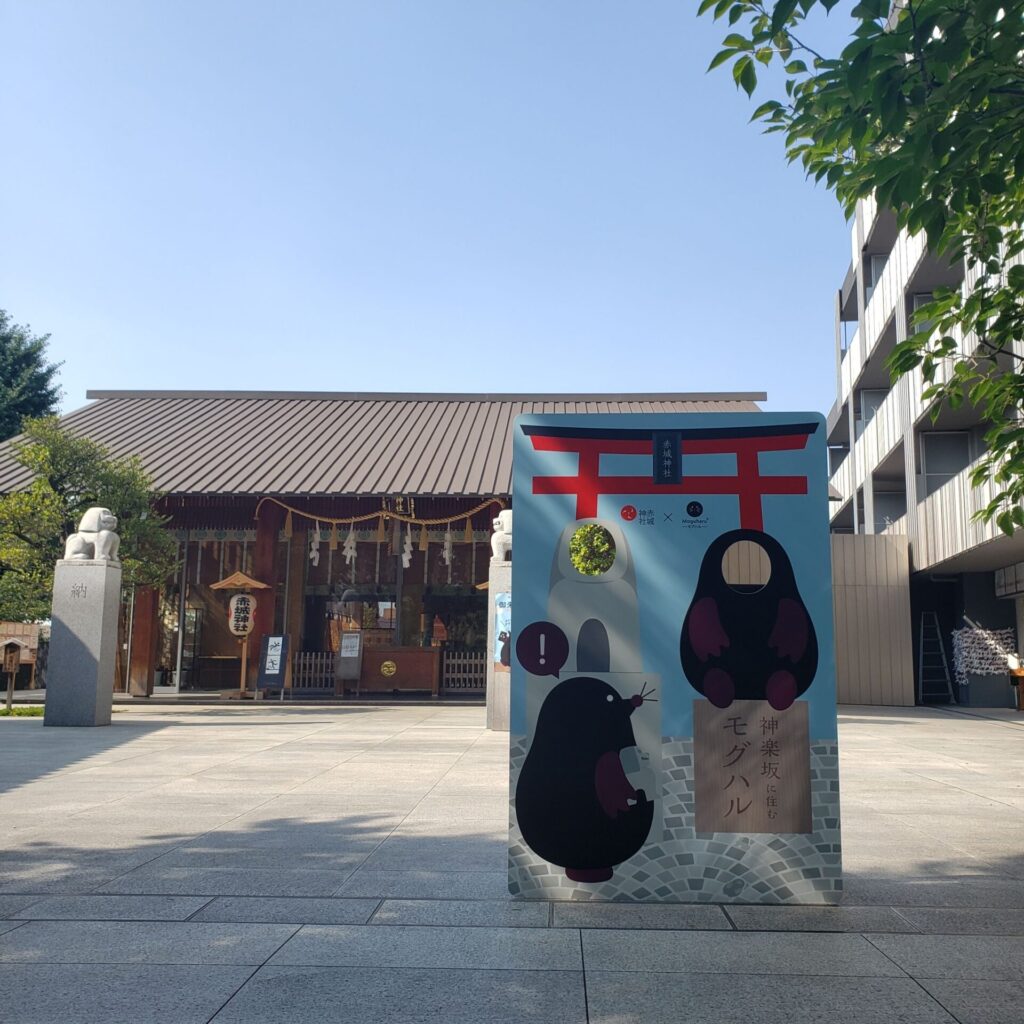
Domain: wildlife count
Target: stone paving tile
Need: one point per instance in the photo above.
(443, 808)
(979, 1002)
(963, 956)
(962, 921)
(734, 952)
(9, 926)
(55, 878)
(299, 995)
(225, 882)
(504, 913)
(818, 919)
(962, 891)
(530, 949)
(10, 906)
(164, 942)
(641, 998)
(345, 858)
(114, 908)
(461, 846)
(426, 884)
(115, 994)
(638, 915)
(288, 910)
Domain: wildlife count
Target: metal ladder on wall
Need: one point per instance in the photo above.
(934, 685)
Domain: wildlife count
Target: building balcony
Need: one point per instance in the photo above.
(842, 481)
(945, 527)
(853, 355)
(881, 434)
(897, 527)
(891, 287)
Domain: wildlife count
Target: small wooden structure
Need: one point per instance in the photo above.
(10, 650)
(27, 634)
(241, 582)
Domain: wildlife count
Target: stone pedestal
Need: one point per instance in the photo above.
(499, 581)
(83, 643)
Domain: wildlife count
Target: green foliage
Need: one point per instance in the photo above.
(592, 550)
(23, 711)
(71, 474)
(27, 382)
(924, 110)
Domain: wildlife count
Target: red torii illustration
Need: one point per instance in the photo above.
(746, 443)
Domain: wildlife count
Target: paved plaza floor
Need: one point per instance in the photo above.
(348, 864)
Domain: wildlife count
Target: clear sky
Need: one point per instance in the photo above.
(405, 195)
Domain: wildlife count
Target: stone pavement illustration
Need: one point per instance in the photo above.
(265, 865)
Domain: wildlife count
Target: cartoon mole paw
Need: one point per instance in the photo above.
(638, 800)
(780, 690)
(719, 687)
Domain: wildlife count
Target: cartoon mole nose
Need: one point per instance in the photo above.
(636, 700)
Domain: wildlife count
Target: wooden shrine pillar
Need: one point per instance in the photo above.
(264, 566)
(295, 604)
(145, 627)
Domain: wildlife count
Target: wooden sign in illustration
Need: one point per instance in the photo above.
(752, 767)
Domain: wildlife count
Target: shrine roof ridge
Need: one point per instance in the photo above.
(430, 396)
(331, 443)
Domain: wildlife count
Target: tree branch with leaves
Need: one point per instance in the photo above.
(69, 475)
(921, 110)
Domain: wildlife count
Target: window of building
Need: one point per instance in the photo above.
(870, 401)
(836, 457)
(917, 300)
(890, 506)
(944, 453)
(873, 267)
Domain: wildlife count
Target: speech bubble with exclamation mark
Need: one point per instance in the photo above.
(542, 649)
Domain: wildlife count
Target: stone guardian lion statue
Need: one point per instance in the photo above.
(95, 539)
(501, 539)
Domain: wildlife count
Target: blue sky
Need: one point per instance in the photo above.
(409, 195)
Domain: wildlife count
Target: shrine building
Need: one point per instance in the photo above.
(366, 514)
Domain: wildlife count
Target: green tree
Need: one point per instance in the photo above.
(69, 475)
(592, 549)
(28, 385)
(923, 108)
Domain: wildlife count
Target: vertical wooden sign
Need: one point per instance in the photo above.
(752, 767)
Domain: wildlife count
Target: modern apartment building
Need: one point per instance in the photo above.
(896, 471)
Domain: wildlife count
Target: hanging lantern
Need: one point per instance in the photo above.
(424, 539)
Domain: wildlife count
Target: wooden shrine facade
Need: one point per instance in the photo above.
(404, 571)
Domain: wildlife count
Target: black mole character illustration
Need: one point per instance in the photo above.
(748, 642)
(504, 655)
(574, 804)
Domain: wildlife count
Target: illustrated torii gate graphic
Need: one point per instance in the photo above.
(666, 449)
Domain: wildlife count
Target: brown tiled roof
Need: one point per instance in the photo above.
(262, 442)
